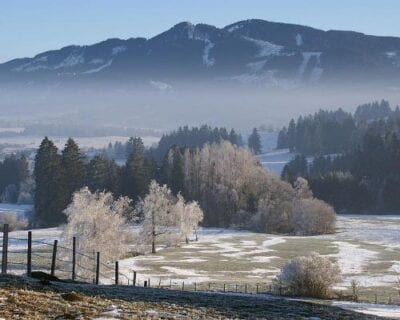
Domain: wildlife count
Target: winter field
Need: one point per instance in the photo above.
(367, 249)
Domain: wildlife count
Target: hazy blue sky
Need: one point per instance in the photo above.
(28, 27)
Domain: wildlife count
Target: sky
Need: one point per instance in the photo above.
(28, 27)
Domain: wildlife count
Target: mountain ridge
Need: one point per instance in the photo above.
(248, 52)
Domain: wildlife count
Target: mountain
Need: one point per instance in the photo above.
(247, 52)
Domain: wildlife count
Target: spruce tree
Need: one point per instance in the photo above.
(104, 175)
(48, 182)
(254, 142)
(74, 170)
(137, 172)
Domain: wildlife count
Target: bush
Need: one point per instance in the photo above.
(14, 223)
(308, 276)
(312, 217)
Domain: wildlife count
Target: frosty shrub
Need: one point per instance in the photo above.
(308, 276)
(311, 216)
(13, 221)
(294, 211)
(98, 223)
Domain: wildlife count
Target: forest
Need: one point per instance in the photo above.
(200, 166)
(354, 157)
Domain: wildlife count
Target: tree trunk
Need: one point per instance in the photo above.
(153, 233)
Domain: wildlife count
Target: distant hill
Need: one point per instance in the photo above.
(246, 52)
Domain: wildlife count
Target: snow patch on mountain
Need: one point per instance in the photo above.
(257, 66)
(317, 71)
(99, 68)
(160, 85)
(207, 60)
(391, 54)
(265, 48)
(299, 40)
(71, 61)
(118, 50)
(235, 27)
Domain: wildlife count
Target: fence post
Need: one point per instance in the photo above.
(134, 278)
(73, 257)
(145, 284)
(224, 287)
(245, 288)
(116, 273)
(236, 287)
(257, 288)
(148, 283)
(183, 285)
(97, 267)
(29, 258)
(195, 286)
(4, 256)
(53, 258)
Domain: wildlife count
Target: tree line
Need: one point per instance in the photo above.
(332, 132)
(365, 177)
(15, 185)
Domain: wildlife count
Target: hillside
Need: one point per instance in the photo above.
(247, 52)
(32, 300)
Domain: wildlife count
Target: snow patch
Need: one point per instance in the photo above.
(382, 310)
(257, 66)
(391, 54)
(71, 61)
(207, 61)
(160, 85)
(118, 50)
(235, 27)
(265, 48)
(317, 71)
(106, 65)
(299, 40)
(352, 258)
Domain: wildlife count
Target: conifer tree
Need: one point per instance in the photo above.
(137, 172)
(254, 142)
(74, 170)
(48, 180)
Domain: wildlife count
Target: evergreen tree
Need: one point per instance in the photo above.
(254, 142)
(74, 170)
(104, 175)
(138, 172)
(49, 201)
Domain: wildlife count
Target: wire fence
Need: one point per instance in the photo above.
(29, 256)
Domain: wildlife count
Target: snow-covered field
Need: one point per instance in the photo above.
(32, 142)
(367, 249)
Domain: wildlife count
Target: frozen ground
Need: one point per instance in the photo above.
(20, 209)
(367, 249)
(32, 142)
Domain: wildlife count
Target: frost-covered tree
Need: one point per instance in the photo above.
(98, 223)
(310, 276)
(158, 216)
(311, 216)
(189, 215)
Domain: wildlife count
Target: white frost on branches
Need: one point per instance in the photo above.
(165, 218)
(97, 221)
